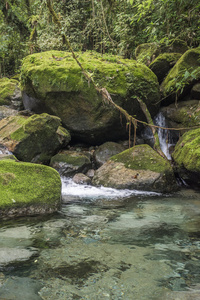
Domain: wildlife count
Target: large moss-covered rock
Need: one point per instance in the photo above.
(138, 168)
(146, 53)
(35, 138)
(163, 63)
(28, 189)
(10, 92)
(68, 163)
(53, 82)
(187, 156)
(182, 76)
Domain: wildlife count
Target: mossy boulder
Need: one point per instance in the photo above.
(174, 46)
(28, 189)
(35, 138)
(53, 82)
(147, 52)
(187, 157)
(68, 163)
(163, 63)
(186, 115)
(138, 168)
(10, 92)
(182, 76)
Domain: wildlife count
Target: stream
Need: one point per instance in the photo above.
(105, 244)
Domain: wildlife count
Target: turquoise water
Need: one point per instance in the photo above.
(105, 245)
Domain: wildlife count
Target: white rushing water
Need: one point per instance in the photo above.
(164, 135)
(70, 188)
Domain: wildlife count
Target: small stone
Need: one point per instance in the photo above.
(80, 178)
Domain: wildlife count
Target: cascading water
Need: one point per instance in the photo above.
(164, 135)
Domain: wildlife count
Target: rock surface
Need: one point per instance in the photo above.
(163, 63)
(187, 114)
(105, 151)
(139, 168)
(187, 157)
(10, 93)
(68, 163)
(28, 189)
(182, 76)
(53, 82)
(80, 178)
(35, 138)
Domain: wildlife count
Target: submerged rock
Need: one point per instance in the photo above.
(68, 163)
(34, 139)
(187, 157)
(28, 189)
(53, 82)
(139, 168)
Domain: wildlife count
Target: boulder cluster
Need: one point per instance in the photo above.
(54, 123)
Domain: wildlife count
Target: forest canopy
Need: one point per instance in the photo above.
(106, 26)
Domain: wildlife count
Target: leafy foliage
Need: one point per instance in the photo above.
(113, 26)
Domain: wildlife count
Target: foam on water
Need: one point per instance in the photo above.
(70, 188)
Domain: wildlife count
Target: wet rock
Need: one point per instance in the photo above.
(105, 151)
(90, 173)
(68, 163)
(58, 86)
(28, 189)
(187, 157)
(20, 288)
(80, 178)
(139, 168)
(34, 138)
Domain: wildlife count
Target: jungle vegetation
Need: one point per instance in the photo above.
(106, 26)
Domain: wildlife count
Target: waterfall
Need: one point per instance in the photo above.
(165, 138)
(164, 135)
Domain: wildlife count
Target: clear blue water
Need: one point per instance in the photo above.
(105, 244)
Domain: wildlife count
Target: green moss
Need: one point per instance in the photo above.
(187, 151)
(144, 52)
(71, 158)
(33, 138)
(7, 89)
(142, 157)
(179, 77)
(58, 70)
(24, 184)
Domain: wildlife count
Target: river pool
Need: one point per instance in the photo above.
(105, 244)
